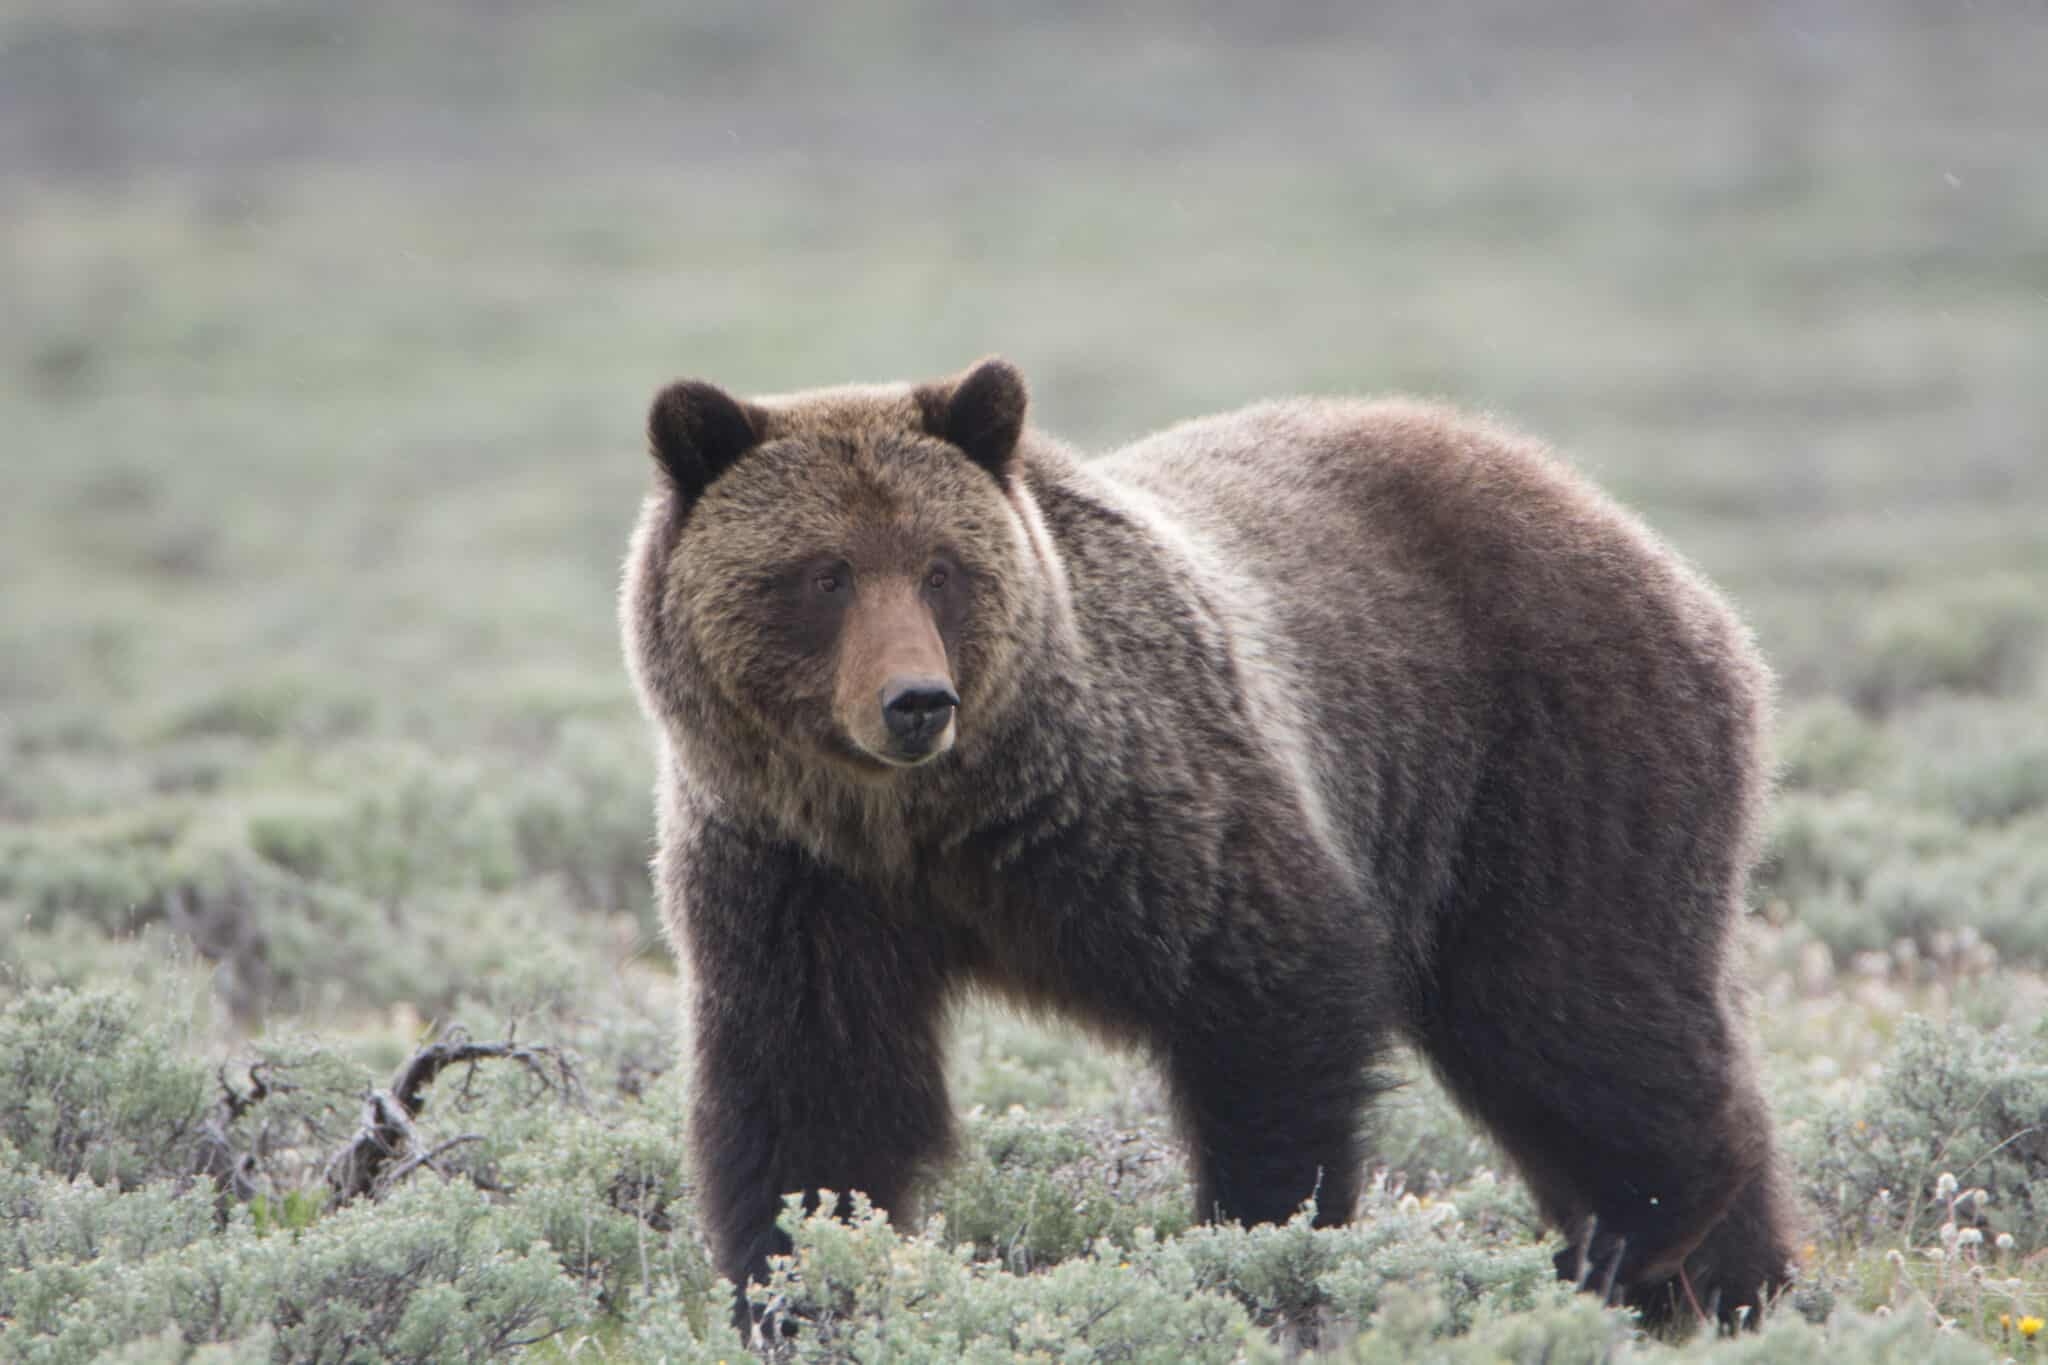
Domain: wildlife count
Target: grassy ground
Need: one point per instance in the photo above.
(330, 332)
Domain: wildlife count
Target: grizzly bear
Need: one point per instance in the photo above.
(1260, 744)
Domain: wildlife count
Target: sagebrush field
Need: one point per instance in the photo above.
(329, 333)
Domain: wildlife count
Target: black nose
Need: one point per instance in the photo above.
(916, 709)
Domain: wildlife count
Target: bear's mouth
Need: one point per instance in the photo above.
(894, 756)
(904, 753)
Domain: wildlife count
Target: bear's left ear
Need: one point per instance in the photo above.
(982, 412)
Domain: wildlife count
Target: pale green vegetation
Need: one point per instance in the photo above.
(329, 332)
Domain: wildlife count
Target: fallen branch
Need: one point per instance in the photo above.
(387, 1145)
(418, 1159)
(232, 1171)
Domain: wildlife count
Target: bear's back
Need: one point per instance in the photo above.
(1452, 615)
(1479, 547)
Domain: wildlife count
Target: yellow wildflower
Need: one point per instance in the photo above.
(2030, 1327)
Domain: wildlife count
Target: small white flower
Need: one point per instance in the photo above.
(1945, 1187)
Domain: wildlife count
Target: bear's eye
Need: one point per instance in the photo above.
(936, 579)
(829, 581)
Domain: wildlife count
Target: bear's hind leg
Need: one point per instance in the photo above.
(1643, 1137)
(1743, 1262)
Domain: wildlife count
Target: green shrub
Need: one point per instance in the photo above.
(583, 817)
(431, 1272)
(1027, 1192)
(1430, 1245)
(92, 1268)
(1300, 1275)
(606, 1191)
(1826, 745)
(1419, 1134)
(1996, 885)
(857, 1292)
(578, 813)
(109, 877)
(1413, 1324)
(1991, 883)
(1983, 638)
(1982, 761)
(169, 1347)
(153, 962)
(279, 939)
(1862, 873)
(272, 708)
(1001, 1059)
(1902, 1338)
(1953, 1110)
(676, 1325)
(413, 831)
(46, 1218)
(87, 1090)
(1820, 844)
(588, 1216)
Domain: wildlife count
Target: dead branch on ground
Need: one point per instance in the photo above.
(388, 1145)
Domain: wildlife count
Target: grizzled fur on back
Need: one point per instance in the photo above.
(1257, 744)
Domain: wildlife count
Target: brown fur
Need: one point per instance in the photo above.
(1279, 733)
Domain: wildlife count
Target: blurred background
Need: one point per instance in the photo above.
(330, 330)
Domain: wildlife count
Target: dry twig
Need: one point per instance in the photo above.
(387, 1146)
(232, 1171)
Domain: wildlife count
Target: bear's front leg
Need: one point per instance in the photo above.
(1272, 1088)
(818, 1057)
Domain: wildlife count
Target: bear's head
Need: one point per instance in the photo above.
(843, 575)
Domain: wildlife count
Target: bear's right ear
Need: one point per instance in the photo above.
(697, 430)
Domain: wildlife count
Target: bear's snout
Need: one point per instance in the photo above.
(917, 712)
